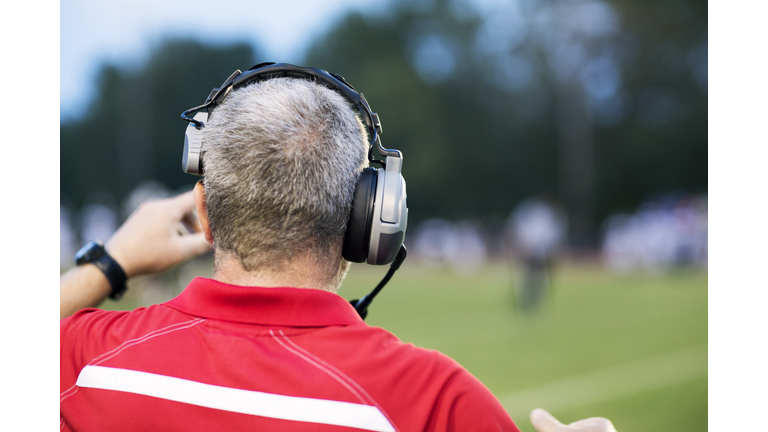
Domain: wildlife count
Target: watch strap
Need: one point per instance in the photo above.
(114, 273)
(94, 253)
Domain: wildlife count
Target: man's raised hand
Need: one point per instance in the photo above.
(150, 240)
(544, 422)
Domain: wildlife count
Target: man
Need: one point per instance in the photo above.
(536, 229)
(266, 344)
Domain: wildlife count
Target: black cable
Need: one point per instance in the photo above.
(361, 306)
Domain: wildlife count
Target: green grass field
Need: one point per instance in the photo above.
(632, 348)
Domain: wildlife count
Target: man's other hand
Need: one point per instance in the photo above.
(151, 240)
(544, 422)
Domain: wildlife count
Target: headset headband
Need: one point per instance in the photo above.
(335, 82)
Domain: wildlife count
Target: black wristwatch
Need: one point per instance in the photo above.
(94, 253)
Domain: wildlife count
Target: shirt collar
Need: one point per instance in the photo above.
(292, 307)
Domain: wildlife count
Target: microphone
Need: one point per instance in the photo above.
(361, 306)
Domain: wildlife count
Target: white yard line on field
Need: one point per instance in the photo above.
(609, 384)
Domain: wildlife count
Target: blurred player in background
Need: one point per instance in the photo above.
(536, 230)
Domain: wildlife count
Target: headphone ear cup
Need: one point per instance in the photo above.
(390, 217)
(358, 235)
(192, 158)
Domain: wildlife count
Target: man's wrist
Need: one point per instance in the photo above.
(95, 253)
(82, 287)
(120, 259)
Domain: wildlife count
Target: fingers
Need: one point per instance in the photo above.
(182, 204)
(194, 245)
(596, 424)
(544, 422)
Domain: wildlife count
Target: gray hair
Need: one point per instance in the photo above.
(282, 158)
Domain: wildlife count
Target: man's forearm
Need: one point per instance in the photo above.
(82, 287)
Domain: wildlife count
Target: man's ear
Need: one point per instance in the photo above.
(202, 211)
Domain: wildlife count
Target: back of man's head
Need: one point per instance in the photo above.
(282, 158)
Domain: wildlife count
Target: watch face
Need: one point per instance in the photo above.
(89, 253)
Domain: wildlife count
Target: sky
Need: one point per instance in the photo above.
(121, 31)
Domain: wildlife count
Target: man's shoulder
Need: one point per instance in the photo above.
(119, 324)
(401, 359)
(91, 334)
(412, 379)
(380, 339)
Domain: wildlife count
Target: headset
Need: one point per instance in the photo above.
(379, 215)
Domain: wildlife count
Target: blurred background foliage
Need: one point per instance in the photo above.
(597, 105)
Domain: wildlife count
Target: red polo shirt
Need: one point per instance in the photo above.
(226, 357)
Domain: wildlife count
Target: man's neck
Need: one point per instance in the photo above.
(299, 273)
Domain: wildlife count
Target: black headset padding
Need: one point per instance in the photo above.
(357, 239)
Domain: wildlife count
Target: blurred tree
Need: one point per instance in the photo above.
(132, 131)
(466, 152)
(600, 104)
(597, 104)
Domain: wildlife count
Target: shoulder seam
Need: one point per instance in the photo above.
(117, 350)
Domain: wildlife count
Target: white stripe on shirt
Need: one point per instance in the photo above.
(234, 399)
